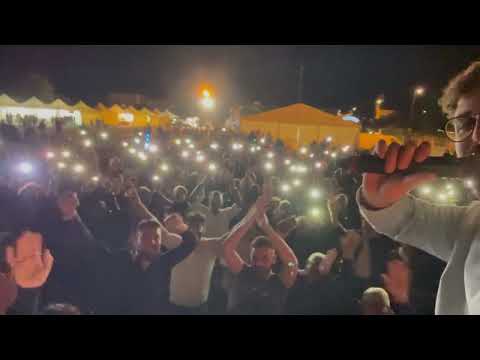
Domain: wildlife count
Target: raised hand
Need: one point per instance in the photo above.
(174, 224)
(326, 264)
(29, 262)
(397, 281)
(381, 191)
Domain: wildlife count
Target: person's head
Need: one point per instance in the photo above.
(283, 209)
(61, 309)
(115, 163)
(216, 200)
(320, 265)
(375, 301)
(461, 99)
(196, 223)
(263, 254)
(180, 193)
(149, 240)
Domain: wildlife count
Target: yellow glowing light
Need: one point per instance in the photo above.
(178, 141)
(318, 165)
(262, 140)
(83, 132)
(419, 91)
(156, 178)
(311, 155)
(285, 188)
(61, 165)
(379, 101)
(137, 140)
(188, 141)
(185, 154)
(50, 155)
(104, 135)
(449, 186)
(354, 109)
(293, 168)
(224, 130)
(78, 168)
(124, 144)
(191, 146)
(315, 212)
(164, 167)
(303, 150)
(469, 183)
(297, 182)
(442, 197)
(346, 148)
(206, 93)
(140, 133)
(329, 139)
(66, 154)
(288, 162)
(270, 155)
(200, 158)
(425, 190)
(269, 166)
(315, 194)
(132, 151)
(334, 155)
(212, 167)
(95, 178)
(258, 148)
(302, 169)
(87, 143)
(142, 156)
(252, 149)
(214, 146)
(326, 152)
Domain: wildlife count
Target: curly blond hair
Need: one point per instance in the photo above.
(463, 84)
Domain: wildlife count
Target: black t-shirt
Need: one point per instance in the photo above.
(251, 295)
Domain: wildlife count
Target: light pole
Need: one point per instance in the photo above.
(418, 91)
(207, 104)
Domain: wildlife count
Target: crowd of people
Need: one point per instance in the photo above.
(193, 221)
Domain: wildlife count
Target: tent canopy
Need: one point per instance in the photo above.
(300, 124)
(299, 114)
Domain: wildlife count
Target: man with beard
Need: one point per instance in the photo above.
(256, 289)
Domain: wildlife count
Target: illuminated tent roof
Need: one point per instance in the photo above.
(33, 102)
(116, 108)
(81, 105)
(299, 114)
(59, 104)
(6, 100)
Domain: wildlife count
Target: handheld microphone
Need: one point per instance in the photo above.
(446, 166)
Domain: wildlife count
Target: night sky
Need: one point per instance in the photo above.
(335, 77)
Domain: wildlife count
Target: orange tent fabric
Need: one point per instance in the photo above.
(300, 124)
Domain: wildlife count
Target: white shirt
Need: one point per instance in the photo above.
(217, 225)
(450, 233)
(190, 279)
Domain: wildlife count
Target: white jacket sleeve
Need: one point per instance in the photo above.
(415, 222)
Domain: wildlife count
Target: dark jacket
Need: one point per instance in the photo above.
(135, 291)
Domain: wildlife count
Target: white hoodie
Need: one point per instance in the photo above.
(450, 233)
